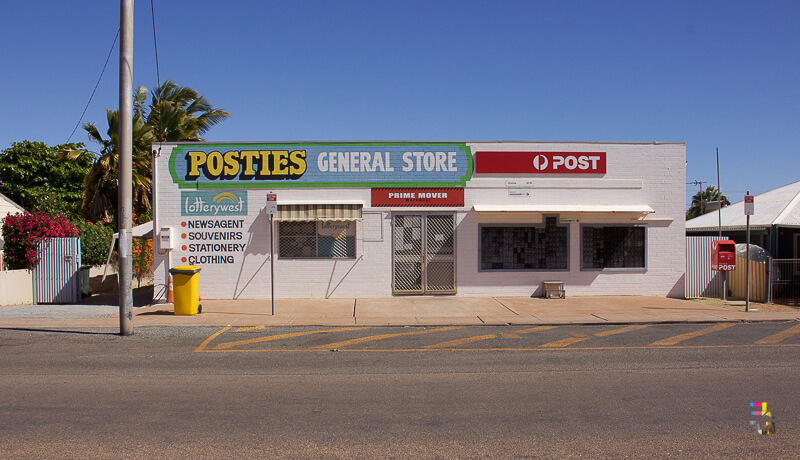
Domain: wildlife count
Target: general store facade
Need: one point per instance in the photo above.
(382, 219)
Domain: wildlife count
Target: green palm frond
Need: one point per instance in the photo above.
(175, 113)
(701, 198)
(179, 113)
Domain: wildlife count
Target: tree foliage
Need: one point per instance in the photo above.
(22, 234)
(32, 175)
(95, 241)
(175, 113)
(142, 249)
(101, 183)
(179, 113)
(701, 199)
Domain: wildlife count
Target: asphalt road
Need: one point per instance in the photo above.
(505, 392)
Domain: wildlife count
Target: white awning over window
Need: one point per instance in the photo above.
(307, 212)
(556, 208)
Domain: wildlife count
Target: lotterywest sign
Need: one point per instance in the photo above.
(213, 203)
(540, 162)
(417, 197)
(355, 164)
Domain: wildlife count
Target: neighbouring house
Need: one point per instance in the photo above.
(775, 226)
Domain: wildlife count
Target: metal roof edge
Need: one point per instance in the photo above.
(787, 209)
(422, 141)
(727, 228)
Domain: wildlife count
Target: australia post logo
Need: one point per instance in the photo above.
(540, 162)
(214, 203)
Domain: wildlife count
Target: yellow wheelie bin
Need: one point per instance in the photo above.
(186, 289)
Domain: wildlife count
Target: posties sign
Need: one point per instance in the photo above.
(354, 164)
(540, 162)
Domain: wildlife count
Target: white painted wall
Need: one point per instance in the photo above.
(650, 174)
(637, 174)
(16, 287)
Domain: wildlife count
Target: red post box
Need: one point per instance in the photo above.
(723, 255)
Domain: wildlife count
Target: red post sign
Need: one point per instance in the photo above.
(540, 162)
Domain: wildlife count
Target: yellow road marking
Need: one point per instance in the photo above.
(372, 338)
(564, 342)
(509, 335)
(252, 328)
(690, 335)
(282, 336)
(515, 334)
(535, 329)
(202, 346)
(621, 330)
(457, 342)
(780, 336)
(406, 350)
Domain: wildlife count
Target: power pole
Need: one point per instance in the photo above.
(719, 197)
(719, 221)
(702, 202)
(125, 225)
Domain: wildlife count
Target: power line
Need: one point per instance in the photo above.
(155, 42)
(158, 74)
(698, 182)
(95, 86)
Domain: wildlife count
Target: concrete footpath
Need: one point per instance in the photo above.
(396, 311)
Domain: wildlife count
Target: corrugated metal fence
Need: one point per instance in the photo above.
(57, 277)
(737, 280)
(701, 281)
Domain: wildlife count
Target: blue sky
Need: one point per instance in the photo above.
(709, 73)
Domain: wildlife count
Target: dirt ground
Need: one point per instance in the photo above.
(739, 305)
(142, 296)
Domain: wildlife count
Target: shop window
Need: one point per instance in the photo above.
(613, 247)
(525, 247)
(317, 239)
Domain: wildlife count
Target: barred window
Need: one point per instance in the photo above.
(613, 247)
(525, 247)
(317, 239)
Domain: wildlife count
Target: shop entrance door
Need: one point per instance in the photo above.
(423, 254)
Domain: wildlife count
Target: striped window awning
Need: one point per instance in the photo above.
(306, 212)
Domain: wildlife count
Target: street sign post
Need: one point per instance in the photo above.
(272, 204)
(749, 210)
(271, 210)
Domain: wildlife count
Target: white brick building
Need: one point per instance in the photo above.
(376, 219)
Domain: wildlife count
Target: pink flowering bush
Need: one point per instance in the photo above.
(22, 234)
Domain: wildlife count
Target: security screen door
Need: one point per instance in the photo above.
(423, 259)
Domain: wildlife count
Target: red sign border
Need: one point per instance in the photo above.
(521, 162)
(380, 197)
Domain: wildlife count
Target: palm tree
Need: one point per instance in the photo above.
(179, 113)
(701, 199)
(175, 114)
(101, 184)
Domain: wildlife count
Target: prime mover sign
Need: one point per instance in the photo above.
(540, 162)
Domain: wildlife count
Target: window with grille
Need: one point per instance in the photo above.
(613, 247)
(525, 247)
(317, 239)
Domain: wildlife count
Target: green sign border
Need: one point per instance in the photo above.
(178, 149)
